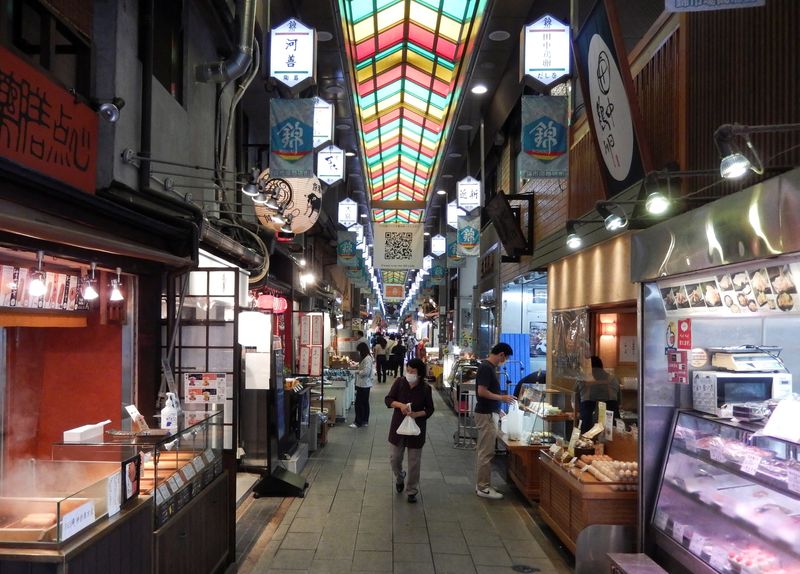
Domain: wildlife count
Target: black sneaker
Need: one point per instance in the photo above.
(400, 484)
(412, 498)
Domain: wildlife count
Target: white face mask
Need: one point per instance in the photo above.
(411, 379)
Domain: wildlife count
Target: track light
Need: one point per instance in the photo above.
(656, 203)
(251, 188)
(90, 286)
(286, 227)
(733, 162)
(116, 293)
(611, 220)
(37, 286)
(277, 218)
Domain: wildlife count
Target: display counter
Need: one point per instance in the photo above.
(572, 500)
(340, 384)
(523, 465)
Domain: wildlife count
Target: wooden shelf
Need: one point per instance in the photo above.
(23, 317)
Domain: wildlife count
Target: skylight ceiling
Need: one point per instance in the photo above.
(406, 58)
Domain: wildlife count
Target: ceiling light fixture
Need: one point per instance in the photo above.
(657, 203)
(612, 221)
(90, 285)
(37, 286)
(350, 154)
(116, 284)
(441, 192)
(479, 89)
(499, 36)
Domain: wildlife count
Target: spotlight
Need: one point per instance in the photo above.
(250, 189)
(108, 110)
(286, 227)
(37, 286)
(277, 218)
(90, 286)
(656, 203)
(574, 241)
(612, 221)
(302, 262)
(116, 293)
(734, 165)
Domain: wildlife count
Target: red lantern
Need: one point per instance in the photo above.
(265, 302)
(279, 305)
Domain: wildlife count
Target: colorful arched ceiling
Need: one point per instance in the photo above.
(406, 57)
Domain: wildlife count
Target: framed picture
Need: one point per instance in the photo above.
(131, 471)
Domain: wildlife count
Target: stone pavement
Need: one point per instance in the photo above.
(352, 520)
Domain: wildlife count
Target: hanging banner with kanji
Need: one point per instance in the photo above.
(399, 245)
(346, 252)
(469, 235)
(291, 138)
(454, 260)
(438, 271)
(544, 137)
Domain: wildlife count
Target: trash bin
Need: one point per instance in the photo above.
(313, 431)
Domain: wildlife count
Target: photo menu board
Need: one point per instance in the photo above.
(760, 289)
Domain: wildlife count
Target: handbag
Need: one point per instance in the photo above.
(408, 427)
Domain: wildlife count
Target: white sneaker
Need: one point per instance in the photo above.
(353, 425)
(488, 492)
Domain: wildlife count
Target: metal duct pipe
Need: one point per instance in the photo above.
(235, 66)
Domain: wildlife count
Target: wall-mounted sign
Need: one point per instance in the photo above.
(708, 5)
(469, 236)
(346, 252)
(330, 164)
(293, 54)
(611, 102)
(394, 292)
(453, 213)
(469, 194)
(438, 244)
(44, 128)
(545, 44)
(323, 122)
(348, 212)
(291, 138)
(544, 137)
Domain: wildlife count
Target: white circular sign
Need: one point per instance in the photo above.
(610, 110)
(698, 358)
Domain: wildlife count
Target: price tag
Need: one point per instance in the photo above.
(209, 456)
(717, 455)
(188, 472)
(114, 493)
(697, 544)
(198, 463)
(173, 483)
(609, 425)
(719, 559)
(576, 434)
(162, 493)
(677, 532)
(661, 520)
(553, 449)
(750, 464)
(691, 444)
(794, 479)
(620, 426)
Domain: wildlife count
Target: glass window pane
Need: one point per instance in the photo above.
(193, 360)
(198, 283)
(221, 335)
(195, 309)
(220, 360)
(193, 336)
(222, 309)
(222, 283)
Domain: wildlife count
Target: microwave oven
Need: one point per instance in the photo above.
(715, 392)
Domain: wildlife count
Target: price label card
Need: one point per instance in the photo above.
(198, 463)
(697, 544)
(691, 444)
(677, 532)
(162, 493)
(553, 448)
(576, 434)
(661, 520)
(620, 426)
(209, 456)
(750, 464)
(114, 494)
(188, 472)
(716, 454)
(794, 479)
(173, 483)
(719, 559)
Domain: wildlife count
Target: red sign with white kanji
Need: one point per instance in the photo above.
(684, 333)
(43, 127)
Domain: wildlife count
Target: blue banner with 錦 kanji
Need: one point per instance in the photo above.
(469, 235)
(291, 138)
(454, 259)
(347, 255)
(544, 137)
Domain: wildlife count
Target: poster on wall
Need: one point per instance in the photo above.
(317, 334)
(304, 367)
(316, 361)
(751, 291)
(204, 388)
(305, 330)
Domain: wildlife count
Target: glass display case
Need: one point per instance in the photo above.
(548, 413)
(174, 468)
(728, 499)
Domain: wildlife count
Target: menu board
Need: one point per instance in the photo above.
(200, 388)
(759, 290)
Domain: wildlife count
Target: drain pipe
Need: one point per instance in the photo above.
(235, 66)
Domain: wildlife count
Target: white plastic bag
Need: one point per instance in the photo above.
(408, 427)
(514, 424)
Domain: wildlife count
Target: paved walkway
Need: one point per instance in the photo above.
(351, 519)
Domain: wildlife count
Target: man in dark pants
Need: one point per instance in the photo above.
(486, 405)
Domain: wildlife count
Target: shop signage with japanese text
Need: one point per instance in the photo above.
(545, 44)
(293, 54)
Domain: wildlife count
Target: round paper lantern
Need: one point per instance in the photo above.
(254, 329)
(265, 302)
(279, 305)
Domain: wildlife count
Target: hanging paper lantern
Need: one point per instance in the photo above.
(279, 305)
(265, 301)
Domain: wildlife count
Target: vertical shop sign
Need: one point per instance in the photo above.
(545, 45)
(348, 212)
(469, 236)
(293, 54)
(323, 122)
(291, 138)
(43, 127)
(394, 292)
(438, 244)
(610, 99)
(453, 213)
(544, 137)
(469, 194)
(684, 333)
(346, 252)
(330, 164)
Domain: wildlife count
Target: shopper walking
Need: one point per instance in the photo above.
(487, 404)
(399, 357)
(390, 364)
(410, 396)
(363, 385)
(379, 350)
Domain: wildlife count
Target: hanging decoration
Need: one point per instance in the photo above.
(469, 194)
(469, 235)
(291, 138)
(398, 246)
(544, 137)
(293, 55)
(454, 260)
(346, 252)
(348, 212)
(300, 201)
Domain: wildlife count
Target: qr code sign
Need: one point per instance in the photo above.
(398, 245)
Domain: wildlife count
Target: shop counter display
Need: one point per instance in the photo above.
(340, 385)
(579, 492)
(523, 465)
(729, 499)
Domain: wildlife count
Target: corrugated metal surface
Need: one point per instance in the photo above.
(517, 366)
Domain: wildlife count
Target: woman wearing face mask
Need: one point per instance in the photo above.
(410, 396)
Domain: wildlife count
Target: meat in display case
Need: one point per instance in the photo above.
(729, 499)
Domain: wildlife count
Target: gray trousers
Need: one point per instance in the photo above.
(414, 460)
(484, 450)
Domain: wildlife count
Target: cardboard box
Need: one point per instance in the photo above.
(329, 404)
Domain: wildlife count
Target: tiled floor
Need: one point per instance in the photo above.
(351, 519)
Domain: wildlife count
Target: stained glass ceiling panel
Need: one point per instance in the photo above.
(397, 215)
(406, 56)
(394, 277)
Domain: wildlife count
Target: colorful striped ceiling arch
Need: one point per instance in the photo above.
(406, 58)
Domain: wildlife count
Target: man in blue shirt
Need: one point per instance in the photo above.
(487, 389)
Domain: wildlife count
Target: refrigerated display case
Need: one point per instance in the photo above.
(728, 500)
